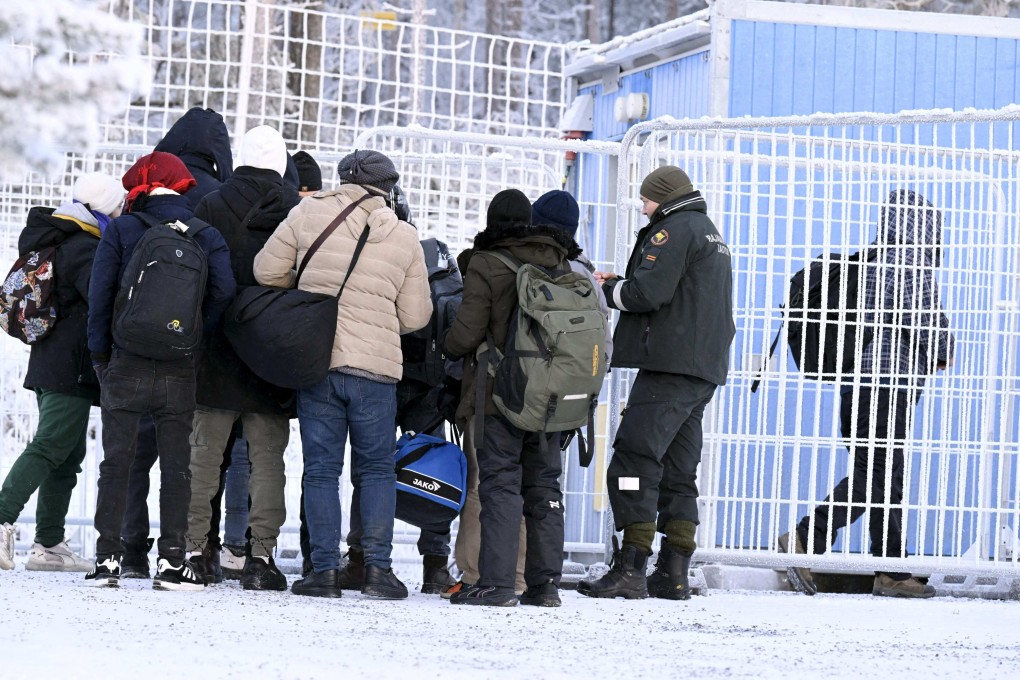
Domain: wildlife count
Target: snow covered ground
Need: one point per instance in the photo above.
(55, 627)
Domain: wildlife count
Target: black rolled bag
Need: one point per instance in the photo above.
(285, 335)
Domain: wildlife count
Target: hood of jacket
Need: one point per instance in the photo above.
(908, 219)
(265, 188)
(43, 229)
(200, 139)
(546, 245)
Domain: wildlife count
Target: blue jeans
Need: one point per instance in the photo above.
(340, 405)
(235, 520)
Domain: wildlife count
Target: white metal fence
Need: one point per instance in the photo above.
(322, 78)
(783, 191)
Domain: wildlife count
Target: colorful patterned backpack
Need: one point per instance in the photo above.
(28, 305)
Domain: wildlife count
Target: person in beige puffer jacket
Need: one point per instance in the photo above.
(387, 295)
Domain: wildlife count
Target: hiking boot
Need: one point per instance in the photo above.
(7, 545)
(453, 590)
(323, 584)
(800, 577)
(211, 558)
(626, 577)
(135, 563)
(177, 575)
(383, 584)
(57, 558)
(486, 596)
(198, 565)
(232, 561)
(887, 586)
(545, 595)
(260, 573)
(106, 572)
(435, 575)
(669, 580)
(352, 570)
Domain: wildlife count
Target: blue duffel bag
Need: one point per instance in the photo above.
(431, 481)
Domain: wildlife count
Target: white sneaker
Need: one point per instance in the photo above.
(6, 546)
(57, 558)
(231, 563)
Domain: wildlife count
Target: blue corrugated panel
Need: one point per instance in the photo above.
(787, 69)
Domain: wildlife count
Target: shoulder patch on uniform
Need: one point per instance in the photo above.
(660, 237)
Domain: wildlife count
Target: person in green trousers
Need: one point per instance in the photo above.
(60, 373)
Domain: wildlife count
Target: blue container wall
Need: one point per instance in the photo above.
(678, 88)
(787, 69)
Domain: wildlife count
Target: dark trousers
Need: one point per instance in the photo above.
(416, 407)
(135, 532)
(131, 387)
(847, 502)
(519, 473)
(654, 470)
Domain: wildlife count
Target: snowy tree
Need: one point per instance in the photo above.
(52, 103)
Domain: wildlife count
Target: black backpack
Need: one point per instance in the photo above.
(158, 310)
(823, 320)
(424, 360)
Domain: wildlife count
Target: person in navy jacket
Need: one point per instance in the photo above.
(133, 385)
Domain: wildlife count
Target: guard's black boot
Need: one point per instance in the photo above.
(383, 584)
(135, 563)
(435, 575)
(352, 570)
(323, 584)
(260, 573)
(626, 577)
(669, 580)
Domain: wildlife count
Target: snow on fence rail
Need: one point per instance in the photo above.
(782, 192)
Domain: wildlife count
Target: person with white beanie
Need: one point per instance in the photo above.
(246, 209)
(60, 374)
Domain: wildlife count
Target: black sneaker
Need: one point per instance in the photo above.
(176, 575)
(323, 584)
(435, 575)
(105, 573)
(487, 596)
(135, 563)
(201, 568)
(545, 595)
(260, 573)
(352, 570)
(383, 584)
(626, 577)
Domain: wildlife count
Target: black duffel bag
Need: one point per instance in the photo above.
(285, 335)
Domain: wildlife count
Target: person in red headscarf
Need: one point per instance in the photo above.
(133, 385)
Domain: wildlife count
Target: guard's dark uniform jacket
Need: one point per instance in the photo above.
(676, 297)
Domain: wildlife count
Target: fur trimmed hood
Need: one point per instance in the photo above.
(518, 233)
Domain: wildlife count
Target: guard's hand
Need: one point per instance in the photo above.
(602, 277)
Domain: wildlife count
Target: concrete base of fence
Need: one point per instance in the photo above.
(982, 587)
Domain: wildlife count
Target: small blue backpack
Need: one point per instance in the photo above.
(431, 481)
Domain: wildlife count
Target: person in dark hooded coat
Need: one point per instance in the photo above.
(200, 139)
(246, 209)
(60, 373)
(518, 471)
(911, 340)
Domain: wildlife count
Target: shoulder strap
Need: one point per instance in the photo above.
(259, 205)
(506, 258)
(431, 248)
(362, 240)
(337, 221)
